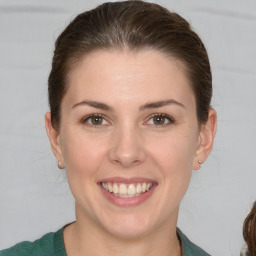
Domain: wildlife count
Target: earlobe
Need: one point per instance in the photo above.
(206, 139)
(54, 137)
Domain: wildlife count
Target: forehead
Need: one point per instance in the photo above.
(128, 75)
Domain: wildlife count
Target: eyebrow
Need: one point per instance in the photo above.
(103, 106)
(162, 103)
(94, 104)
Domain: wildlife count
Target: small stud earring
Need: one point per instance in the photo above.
(200, 163)
(59, 165)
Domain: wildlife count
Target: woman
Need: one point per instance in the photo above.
(130, 117)
(249, 232)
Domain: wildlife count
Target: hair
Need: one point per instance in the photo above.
(130, 25)
(249, 232)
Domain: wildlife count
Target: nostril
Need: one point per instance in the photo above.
(126, 163)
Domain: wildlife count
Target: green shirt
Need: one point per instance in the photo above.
(52, 244)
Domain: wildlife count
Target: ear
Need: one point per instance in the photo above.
(54, 137)
(206, 138)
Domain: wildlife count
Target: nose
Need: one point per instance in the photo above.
(127, 148)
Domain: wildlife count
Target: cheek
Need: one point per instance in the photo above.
(83, 158)
(174, 160)
(82, 154)
(175, 165)
(173, 153)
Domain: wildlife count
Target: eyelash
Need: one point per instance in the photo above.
(85, 120)
(159, 115)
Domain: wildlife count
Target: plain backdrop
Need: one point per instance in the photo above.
(34, 195)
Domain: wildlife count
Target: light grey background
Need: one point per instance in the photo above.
(34, 196)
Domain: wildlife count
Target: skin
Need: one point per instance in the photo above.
(128, 143)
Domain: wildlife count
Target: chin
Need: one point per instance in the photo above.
(128, 226)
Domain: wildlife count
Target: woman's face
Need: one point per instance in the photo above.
(129, 139)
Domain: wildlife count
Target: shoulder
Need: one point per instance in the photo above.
(49, 244)
(189, 248)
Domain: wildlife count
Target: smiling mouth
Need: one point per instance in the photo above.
(126, 190)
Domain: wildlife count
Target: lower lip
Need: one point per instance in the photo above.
(130, 201)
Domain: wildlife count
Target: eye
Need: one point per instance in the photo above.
(160, 120)
(95, 120)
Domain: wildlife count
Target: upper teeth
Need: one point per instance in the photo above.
(126, 190)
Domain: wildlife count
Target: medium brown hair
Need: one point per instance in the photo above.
(132, 25)
(249, 232)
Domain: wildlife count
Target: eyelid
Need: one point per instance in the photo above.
(168, 117)
(86, 118)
